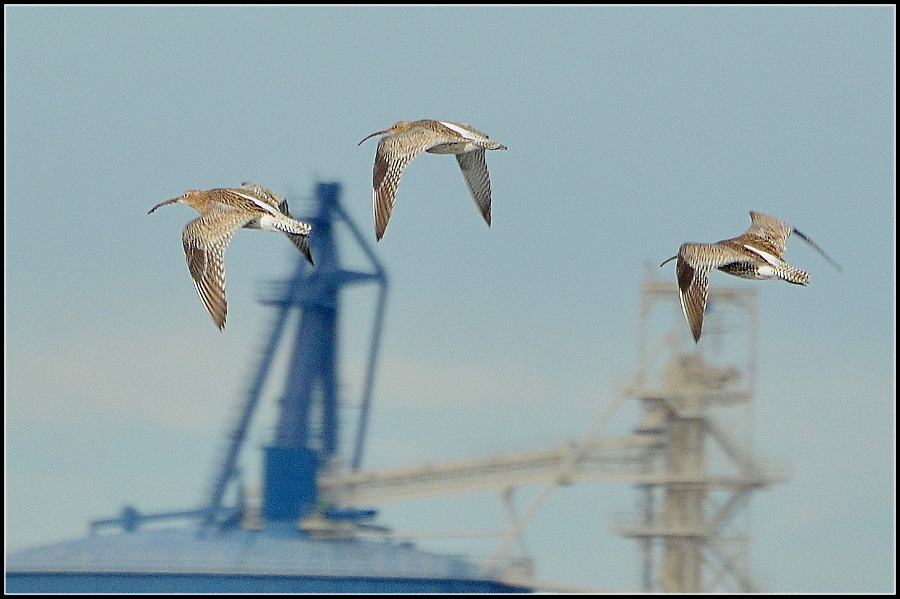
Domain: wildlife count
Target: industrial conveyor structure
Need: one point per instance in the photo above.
(690, 456)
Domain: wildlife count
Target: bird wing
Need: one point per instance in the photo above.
(693, 282)
(301, 242)
(297, 231)
(816, 247)
(251, 198)
(205, 240)
(475, 171)
(393, 154)
(695, 261)
(299, 235)
(768, 232)
(273, 198)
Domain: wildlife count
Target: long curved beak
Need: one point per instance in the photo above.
(373, 135)
(172, 201)
(669, 260)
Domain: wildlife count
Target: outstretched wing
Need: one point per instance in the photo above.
(205, 240)
(301, 241)
(393, 154)
(695, 261)
(475, 171)
(769, 233)
(693, 282)
(815, 246)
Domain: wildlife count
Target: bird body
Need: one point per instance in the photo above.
(222, 212)
(756, 254)
(407, 139)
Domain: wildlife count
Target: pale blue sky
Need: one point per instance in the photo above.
(630, 131)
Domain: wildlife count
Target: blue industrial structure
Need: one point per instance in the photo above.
(273, 554)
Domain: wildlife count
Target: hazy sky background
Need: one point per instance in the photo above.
(630, 131)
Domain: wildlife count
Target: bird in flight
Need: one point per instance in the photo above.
(407, 139)
(222, 212)
(756, 254)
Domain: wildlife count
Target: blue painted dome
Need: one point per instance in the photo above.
(181, 560)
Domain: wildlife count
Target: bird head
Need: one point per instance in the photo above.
(190, 197)
(396, 128)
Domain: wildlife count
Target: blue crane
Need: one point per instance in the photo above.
(306, 434)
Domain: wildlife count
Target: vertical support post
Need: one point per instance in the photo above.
(683, 507)
(308, 422)
(685, 524)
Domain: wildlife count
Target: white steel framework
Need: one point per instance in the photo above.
(690, 456)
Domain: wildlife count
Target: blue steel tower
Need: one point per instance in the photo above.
(281, 547)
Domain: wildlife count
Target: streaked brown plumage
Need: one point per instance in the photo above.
(757, 254)
(222, 212)
(407, 139)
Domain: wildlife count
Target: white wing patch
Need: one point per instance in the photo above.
(458, 129)
(256, 201)
(765, 255)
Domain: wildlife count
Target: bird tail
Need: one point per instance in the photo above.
(788, 273)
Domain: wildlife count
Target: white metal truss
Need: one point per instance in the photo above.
(690, 457)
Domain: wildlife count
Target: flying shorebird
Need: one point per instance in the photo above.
(406, 140)
(754, 255)
(222, 212)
